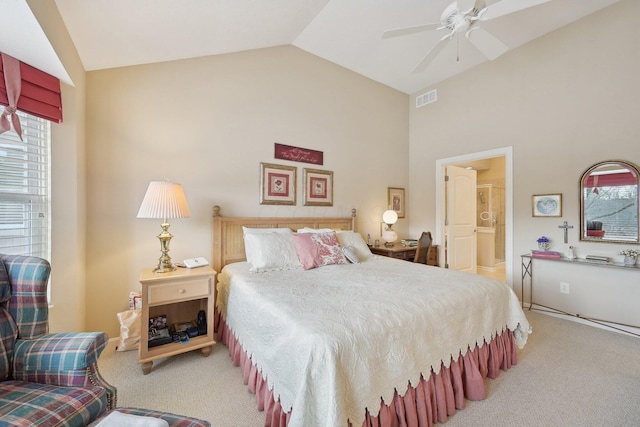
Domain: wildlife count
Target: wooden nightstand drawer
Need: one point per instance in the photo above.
(170, 292)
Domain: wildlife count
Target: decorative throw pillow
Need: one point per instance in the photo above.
(351, 254)
(318, 249)
(272, 251)
(351, 238)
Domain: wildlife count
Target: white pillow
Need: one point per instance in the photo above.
(314, 230)
(247, 230)
(353, 239)
(271, 252)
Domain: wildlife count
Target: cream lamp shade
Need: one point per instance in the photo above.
(164, 200)
(389, 235)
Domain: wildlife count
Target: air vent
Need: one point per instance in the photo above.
(426, 98)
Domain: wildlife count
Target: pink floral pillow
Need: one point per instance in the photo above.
(318, 249)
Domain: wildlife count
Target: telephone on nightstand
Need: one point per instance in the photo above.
(193, 263)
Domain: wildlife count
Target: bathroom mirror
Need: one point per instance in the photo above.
(609, 203)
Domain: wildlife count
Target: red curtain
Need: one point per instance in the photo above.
(39, 94)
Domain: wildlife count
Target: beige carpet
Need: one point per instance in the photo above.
(569, 374)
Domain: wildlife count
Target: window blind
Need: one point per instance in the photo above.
(24, 189)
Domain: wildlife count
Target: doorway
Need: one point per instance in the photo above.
(504, 230)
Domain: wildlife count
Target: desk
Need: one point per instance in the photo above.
(527, 273)
(407, 253)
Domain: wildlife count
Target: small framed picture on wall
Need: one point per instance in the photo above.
(318, 187)
(547, 205)
(395, 200)
(277, 184)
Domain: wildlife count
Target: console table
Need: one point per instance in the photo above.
(527, 273)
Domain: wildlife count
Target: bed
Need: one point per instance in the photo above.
(362, 343)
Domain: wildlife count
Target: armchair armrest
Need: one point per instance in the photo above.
(63, 359)
(58, 352)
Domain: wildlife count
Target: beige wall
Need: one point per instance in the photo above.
(208, 123)
(563, 102)
(67, 182)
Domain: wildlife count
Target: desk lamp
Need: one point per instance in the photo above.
(389, 235)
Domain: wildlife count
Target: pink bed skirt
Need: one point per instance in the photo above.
(433, 400)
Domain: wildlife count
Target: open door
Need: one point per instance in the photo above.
(461, 238)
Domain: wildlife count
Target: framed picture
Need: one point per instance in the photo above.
(277, 184)
(546, 205)
(395, 200)
(318, 187)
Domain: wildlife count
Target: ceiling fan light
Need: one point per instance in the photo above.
(462, 25)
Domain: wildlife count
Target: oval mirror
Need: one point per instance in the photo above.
(609, 203)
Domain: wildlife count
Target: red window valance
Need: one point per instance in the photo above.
(39, 93)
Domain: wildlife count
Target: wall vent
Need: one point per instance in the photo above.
(426, 98)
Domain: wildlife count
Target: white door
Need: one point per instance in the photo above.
(461, 219)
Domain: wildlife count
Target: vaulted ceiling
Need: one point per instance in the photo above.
(116, 33)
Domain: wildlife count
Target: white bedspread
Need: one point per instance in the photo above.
(333, 340)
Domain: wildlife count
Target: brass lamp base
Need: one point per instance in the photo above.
(164, 265)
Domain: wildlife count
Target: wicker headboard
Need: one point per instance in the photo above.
(228, 243)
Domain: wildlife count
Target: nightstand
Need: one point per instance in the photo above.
(406, 253)
(179, 295)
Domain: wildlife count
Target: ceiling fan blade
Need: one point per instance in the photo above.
(506, 7)
(466, 6)
(411, 30)
(435, 50)
(487, 43)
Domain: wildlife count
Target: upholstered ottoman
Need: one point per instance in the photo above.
(173, 419)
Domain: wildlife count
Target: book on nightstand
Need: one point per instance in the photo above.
(546, 254)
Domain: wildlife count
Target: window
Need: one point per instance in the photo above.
(25, 205)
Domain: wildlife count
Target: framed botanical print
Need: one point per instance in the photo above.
(277, 184)
(318, 187)
(395, 200)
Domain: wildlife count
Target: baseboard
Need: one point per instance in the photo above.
(112, 344)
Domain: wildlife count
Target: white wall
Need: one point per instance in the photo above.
(563, 102)
(208, 123)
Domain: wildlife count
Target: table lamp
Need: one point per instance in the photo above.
(389, 235)
(164, 200)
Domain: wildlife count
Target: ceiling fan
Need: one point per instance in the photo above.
(464, 16)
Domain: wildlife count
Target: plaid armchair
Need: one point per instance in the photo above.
(45, 379)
